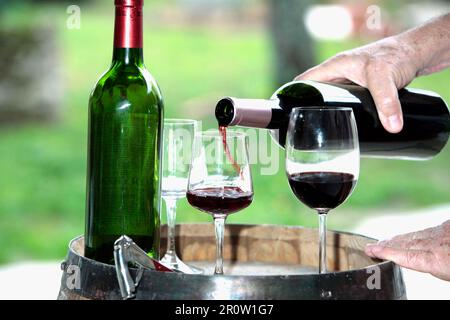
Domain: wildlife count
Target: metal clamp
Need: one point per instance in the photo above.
(125, 252)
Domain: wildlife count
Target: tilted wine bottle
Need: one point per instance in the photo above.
(124, 146)
(425, 131)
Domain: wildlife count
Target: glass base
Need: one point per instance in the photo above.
(175, 263)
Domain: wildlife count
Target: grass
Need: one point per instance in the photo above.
(42, 166)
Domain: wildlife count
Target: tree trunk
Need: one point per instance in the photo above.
(293, 47)
(30, 76)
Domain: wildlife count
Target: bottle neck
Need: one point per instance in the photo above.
(256, 113)
(127, 56)
(128, 42)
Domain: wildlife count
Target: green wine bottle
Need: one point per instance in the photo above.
(124, 146)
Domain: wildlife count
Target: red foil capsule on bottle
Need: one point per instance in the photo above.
(128, 27)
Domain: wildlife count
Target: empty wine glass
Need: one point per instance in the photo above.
(220, 181)
(178, 138)
(322, 161)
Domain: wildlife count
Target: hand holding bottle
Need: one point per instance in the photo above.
(390, 64)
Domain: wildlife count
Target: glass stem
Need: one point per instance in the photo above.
(171, 208)
(323, 241)
(219, 223)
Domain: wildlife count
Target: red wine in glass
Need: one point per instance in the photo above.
(322, 190)
(219, 201)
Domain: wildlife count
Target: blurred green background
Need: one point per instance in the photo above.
(198, 51)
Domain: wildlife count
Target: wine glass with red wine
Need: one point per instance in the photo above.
(322, 161)
(220, 181)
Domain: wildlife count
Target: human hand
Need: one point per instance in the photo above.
(390, 64)
(383, 67)
(425, 251)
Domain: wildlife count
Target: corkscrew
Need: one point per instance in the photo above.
(125, 252)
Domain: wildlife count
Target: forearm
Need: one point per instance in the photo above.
(429, 44)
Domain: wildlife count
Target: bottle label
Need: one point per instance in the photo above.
(128, 27)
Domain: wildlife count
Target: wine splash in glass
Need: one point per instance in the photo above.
(215, 186)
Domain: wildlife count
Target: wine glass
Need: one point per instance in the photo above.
(220, 181)
(322, 161)
(177, 144)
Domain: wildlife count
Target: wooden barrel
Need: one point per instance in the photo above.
(262, 262)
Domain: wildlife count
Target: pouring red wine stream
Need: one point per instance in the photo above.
(223, 134)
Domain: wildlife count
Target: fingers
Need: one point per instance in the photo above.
(424, 244)
(320, 73)
(403, 239)
(418, 260)
(376, 75)
(425, 251)
(331, 70)
(385, 95)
